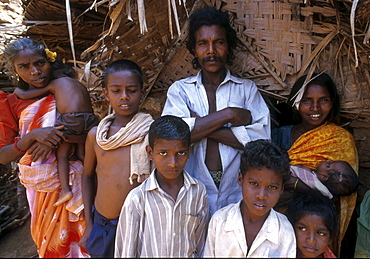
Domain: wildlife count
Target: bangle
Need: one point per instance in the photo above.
(16, 139)
(295, 184)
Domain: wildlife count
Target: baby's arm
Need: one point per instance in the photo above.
(32, 93)
(307, 182)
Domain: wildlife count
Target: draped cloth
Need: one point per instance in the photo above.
(10, 107)
(56, 231)
(135, 133)
(310, 179)
(328, 141)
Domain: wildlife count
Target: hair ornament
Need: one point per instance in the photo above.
(51, 55)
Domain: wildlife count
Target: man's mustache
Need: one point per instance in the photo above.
(212, 58)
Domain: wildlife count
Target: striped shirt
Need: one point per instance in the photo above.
(153, 224)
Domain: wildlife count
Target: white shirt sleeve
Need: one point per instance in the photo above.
(177, 105)
(260, 125)
(127, 233)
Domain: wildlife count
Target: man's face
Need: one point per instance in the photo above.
(211, 48)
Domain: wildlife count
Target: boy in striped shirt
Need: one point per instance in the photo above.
(167, 215)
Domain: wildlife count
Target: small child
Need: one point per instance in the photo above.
(251, 227)
(75, 112)
(315, 222)
(330, 178)
(167, 215)
(116, 160)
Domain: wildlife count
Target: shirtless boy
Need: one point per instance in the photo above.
(116, 160)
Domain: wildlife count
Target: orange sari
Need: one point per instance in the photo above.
(56, 231)
(328, 141)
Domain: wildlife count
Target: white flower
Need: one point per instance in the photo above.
(63, 234)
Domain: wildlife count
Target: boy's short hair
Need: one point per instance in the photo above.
(123, 65)
(342, 183)
(262, 152)
(169, 127)
(303, 204)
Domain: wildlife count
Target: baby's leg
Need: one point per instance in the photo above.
(63, 152)
(80, 151)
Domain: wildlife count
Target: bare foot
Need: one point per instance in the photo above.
(64, 196)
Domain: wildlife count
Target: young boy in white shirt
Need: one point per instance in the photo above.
(167, 215)
(251, 227)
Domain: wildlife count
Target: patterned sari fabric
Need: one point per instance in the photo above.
(55, 230)
(328, 141)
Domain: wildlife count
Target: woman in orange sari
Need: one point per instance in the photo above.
(314, 137)
(27, 132)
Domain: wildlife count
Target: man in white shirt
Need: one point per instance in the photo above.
(223, 112)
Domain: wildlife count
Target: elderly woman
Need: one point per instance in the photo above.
(27, 133)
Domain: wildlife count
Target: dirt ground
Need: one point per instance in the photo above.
(17, 243)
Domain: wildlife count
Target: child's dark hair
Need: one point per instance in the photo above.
(263, 152)
(303, 204)
(58, 68)
(342, 183)
(208, 16)
(169, 127)
(123, 65)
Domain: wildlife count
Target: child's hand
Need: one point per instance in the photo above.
(85, 237)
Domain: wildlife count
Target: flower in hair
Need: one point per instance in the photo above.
(51, 55)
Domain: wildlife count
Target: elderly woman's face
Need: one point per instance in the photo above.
(33, 68)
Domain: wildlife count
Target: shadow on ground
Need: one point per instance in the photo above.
(18, 243)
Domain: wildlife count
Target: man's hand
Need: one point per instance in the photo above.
(240, 116)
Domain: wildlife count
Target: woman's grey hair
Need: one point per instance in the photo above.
(57, 68)
(11, 52)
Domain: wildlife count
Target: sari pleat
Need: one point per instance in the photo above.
(56, 231)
